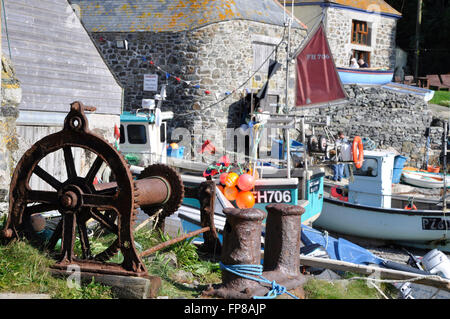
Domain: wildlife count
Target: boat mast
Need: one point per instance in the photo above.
(287, 138)
(445, 168)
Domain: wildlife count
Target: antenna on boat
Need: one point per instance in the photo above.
(444, 164)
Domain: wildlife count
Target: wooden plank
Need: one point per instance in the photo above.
(37, 102)
(79, 85)
(124, 287)
(69, 35)
(383, 273)
(64, 75)
(24, 41)
(36, 61)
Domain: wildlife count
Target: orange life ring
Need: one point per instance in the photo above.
(409, 207)
(358, 153)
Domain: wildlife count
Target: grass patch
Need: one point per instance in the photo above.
(199, 272)
(441, 98)
(345, 289)
(24, 269)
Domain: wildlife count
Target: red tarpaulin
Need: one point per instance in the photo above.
(317, 78)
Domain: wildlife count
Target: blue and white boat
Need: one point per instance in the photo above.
(266, 191)
(365, 76)
(425, 94)
(363, 209)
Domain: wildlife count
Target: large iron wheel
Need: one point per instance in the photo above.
(76, 198)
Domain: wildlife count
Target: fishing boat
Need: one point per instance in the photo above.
(363, 209)
(287, 177)
(425, 179)
(365, 76)
(425, 94)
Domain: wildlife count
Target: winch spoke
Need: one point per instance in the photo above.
(49, 179)
(42, 197)
(94, 170)
(101, 202)
(105, 221)
(40, 208)
(84, 239)
(68, 237)
(109, 252)
(70, 163)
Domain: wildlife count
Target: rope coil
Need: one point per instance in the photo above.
(257, 270)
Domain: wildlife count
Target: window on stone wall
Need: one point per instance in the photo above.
(360, 32)
(262, 51)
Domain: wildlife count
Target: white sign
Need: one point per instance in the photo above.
(151, 82)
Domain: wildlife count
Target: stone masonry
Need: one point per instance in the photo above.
(218, 57)
(9, 112)
(394, 121)
(382, 37)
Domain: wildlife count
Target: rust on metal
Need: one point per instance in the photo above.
(282, 245)
(205, 193)
(241, 245)
(112, 205)
(173, 241)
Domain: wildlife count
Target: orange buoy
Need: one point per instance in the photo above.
(358, 152)
(245, 200)
(231, 179)
(410, 207)
(230, 192)
(246, 182)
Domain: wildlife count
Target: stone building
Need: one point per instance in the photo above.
(209, 54)
(358, 29)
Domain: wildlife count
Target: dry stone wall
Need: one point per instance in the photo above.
(394, 121)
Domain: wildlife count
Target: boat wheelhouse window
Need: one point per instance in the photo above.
(136, 134)
(369, 168)
(122, 135)
(162, 132)
(360, 32)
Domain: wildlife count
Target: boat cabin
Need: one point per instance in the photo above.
(143, 135)
(372, 183)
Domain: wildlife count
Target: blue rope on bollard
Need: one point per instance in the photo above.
(257, 270)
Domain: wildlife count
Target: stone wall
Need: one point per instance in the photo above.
(11, 96)
(218, 57)
(382, 37)
(394, 121)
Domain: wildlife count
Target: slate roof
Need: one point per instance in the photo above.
(366, 5)
(174, 15)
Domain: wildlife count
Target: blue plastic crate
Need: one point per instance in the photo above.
(277, 145)
(177, 153)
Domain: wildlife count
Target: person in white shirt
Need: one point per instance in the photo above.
(354, 63)
(338, 169)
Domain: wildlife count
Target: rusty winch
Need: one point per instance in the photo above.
(112, 205)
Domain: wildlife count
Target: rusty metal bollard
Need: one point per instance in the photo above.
(241, 246)
(282, 245)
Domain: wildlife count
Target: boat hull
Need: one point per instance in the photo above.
(365, 76)
(422, 228)
(425, 179)
(274, 191)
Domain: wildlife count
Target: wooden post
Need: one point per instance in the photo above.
(382, 273)
(124, 287)
(418, 23)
